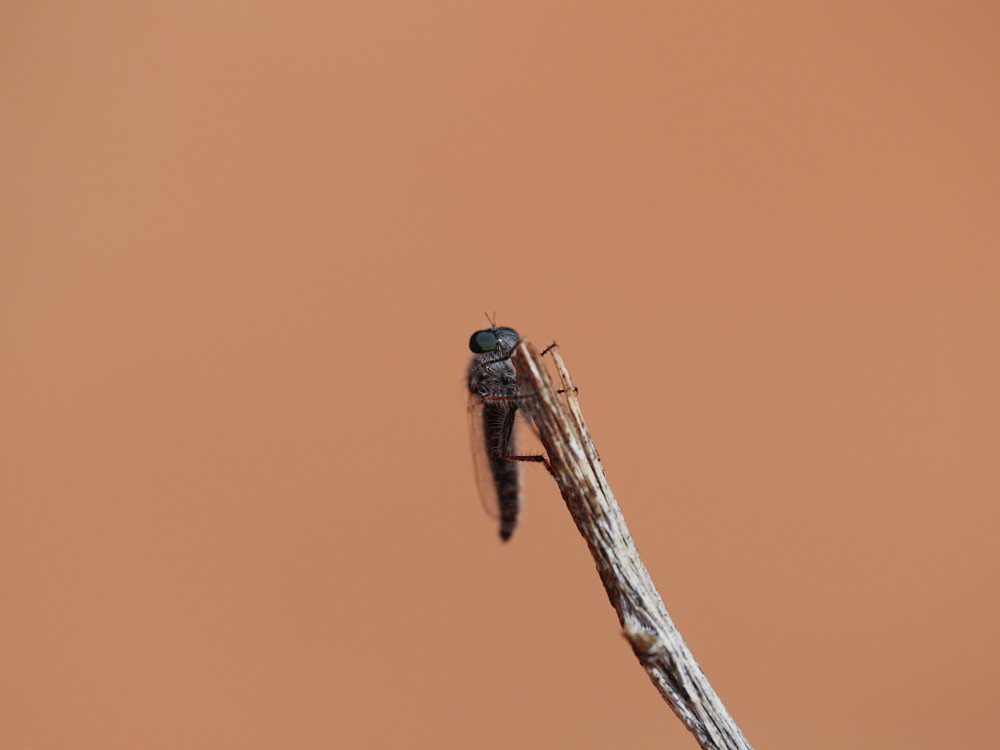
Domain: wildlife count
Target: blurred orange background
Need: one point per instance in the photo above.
(242, 249)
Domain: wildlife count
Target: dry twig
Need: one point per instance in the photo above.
(574, 463)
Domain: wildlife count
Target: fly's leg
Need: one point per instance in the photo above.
(505, 434)
(537, 459)
(507, 429)
(510, 354)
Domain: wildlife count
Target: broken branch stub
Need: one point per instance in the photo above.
(576, 467)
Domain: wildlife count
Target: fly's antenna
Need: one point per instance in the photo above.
(493, 320)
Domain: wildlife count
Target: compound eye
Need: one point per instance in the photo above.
(483, 341)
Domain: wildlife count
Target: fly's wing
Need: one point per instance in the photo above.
(488, 496)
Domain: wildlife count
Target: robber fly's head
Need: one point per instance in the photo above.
(496, 340)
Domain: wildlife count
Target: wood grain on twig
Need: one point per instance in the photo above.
(577, 469)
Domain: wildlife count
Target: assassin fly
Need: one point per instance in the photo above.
(493, 409)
